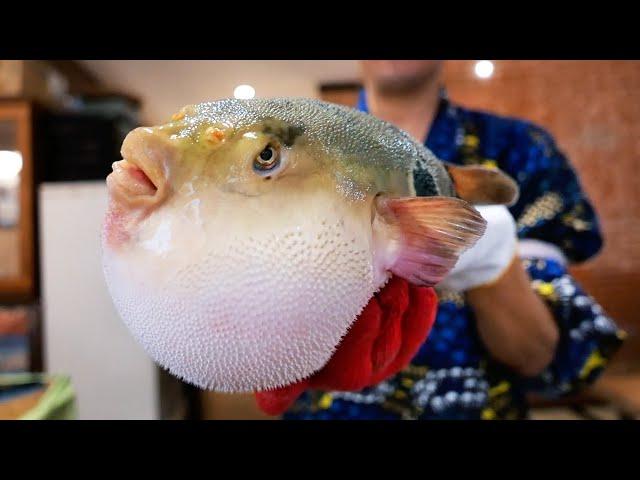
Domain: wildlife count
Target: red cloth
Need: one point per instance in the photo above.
(381, 342)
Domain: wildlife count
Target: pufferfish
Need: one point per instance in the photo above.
(244, 237)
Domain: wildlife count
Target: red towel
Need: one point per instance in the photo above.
(381, 342)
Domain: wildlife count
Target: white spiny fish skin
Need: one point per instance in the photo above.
(253, 313)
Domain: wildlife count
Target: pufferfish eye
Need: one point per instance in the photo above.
(267, 159)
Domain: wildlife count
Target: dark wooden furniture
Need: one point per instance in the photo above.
(17, 241)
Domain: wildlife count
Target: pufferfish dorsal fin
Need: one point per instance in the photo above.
(421, 238)
(483, 186)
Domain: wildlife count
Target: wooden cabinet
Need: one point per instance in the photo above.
(17, 213)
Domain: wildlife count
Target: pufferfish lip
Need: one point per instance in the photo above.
(141, 178)
(132, 183)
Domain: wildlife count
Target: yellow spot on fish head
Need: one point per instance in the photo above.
(177, 116)
(214, 136)
(182, 113)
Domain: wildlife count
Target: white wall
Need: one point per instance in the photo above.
(165, 86)
(84, 337)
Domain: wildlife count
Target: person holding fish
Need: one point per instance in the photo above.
(324, 259)
(492, 344)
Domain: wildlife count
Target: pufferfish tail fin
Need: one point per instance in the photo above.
(421, 238)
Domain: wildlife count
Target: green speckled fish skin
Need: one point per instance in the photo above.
(367, 151)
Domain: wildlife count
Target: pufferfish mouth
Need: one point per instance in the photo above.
(139, 179)
(134, 180)
(132, 185)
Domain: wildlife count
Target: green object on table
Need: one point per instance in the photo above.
(56, 403)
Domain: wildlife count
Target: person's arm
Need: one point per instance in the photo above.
(514, 323)
(557, 225)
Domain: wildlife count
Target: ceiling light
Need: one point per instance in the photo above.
(244, 92)
(484, 69)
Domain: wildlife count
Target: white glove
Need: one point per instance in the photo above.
(490, 257)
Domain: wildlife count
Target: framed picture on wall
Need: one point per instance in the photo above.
(345, 93)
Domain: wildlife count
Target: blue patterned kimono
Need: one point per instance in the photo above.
(453, 376)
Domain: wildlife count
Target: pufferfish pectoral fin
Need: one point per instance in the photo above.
(421, 238)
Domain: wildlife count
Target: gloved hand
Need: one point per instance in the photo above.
(490, 257)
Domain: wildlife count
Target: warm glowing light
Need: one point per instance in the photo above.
(10, 165)
(484, 69)
(244, 92)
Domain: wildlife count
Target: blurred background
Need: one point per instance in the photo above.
(61, 127)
